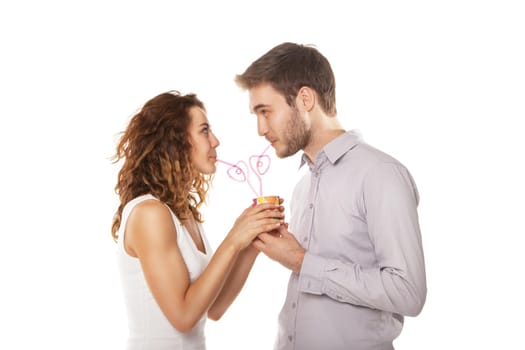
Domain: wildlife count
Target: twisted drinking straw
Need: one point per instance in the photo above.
(260, 164)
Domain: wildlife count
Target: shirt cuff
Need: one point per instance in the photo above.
(312, 274)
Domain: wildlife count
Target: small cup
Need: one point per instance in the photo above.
(267, 199)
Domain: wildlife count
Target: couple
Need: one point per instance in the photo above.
(353, 244)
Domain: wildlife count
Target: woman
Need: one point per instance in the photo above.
(170, 278)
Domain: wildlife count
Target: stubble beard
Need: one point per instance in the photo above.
(296, 135)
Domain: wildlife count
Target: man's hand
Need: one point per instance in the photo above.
(280, 245)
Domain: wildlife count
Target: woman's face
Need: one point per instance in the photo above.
(203, 142)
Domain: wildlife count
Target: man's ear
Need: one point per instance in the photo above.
(306, 98)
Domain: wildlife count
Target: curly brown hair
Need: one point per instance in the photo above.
(156, 152)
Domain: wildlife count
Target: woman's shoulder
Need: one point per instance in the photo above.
(151, 219)
(151, 210)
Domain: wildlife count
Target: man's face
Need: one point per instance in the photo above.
(283, 126)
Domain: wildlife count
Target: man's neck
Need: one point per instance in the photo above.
(321, 138)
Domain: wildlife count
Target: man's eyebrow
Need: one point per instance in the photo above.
(259, 106)
(205, 124)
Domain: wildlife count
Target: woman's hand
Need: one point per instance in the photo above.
(254, 220)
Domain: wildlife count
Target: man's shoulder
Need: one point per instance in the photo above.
(366, 156)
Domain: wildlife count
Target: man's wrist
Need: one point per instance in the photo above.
(299, 261)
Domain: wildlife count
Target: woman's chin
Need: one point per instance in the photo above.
(209, 170)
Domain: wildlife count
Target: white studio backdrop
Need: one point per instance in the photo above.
(438, 85)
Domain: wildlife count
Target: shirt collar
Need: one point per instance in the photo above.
(336, 148)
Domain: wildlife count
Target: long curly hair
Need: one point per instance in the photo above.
(156, 153)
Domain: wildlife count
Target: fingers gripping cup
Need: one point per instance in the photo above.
(267, 199)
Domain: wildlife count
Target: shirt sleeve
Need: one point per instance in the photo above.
(397, 283)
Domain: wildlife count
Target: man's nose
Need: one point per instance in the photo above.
(262, 126)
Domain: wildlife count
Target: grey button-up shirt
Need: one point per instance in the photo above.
(355, 213)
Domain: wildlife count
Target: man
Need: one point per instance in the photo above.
(354, 244)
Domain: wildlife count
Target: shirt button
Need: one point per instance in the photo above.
(305, 239)
(290, 338)
(311, 206)
(294, 305)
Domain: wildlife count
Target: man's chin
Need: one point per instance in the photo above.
(283, 153)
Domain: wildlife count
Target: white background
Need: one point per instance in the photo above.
(439, 85)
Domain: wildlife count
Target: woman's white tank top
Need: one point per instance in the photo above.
(148, 327)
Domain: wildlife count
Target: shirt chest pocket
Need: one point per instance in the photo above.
(339, 231)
